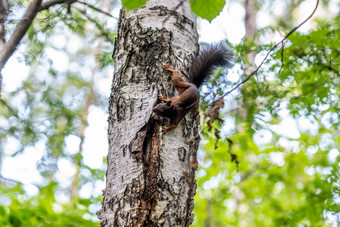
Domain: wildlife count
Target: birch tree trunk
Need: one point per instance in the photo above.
(150, 176)
(251, 30)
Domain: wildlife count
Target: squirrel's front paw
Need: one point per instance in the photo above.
(167, 66)
(161, 97)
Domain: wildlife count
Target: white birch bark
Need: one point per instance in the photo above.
(150, 176)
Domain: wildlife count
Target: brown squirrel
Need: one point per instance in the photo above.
(177, 107)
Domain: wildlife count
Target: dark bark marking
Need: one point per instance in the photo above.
(124, 67)
(131, 106)
(150, 171)
(139, 145)
(180, 19)
(124, 151)
(121, 104)
(141, 104)
(181, 153)
(190, 198)
(153, 51)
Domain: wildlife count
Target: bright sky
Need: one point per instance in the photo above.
(229, 24)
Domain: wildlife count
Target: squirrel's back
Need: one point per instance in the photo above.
(209, 58)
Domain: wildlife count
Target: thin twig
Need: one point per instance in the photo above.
(233, 156)
(273, 48)
(100, 28)
(97, 9)
(282, 62)
(48, 4)
(51, 3)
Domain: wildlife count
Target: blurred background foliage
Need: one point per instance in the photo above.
(277, 162)
(68, 56)
(286, 142)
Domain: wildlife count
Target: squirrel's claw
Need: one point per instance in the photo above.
(169, 68)
(161, 97)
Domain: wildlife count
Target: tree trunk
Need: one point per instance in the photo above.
(3, 13)
(251, 29)
(150, 176)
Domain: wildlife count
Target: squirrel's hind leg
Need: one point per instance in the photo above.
(169, 128)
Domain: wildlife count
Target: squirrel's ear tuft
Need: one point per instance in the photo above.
(168, 103)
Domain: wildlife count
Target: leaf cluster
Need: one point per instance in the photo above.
(16, 209)
(49, 107)
(283, 178)
(207, 9)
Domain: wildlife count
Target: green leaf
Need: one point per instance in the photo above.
(208, 9)
(133, 4)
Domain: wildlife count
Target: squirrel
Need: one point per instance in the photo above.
(175, 108)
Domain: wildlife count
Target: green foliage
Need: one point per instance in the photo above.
(41, 210)
(50, 106)
(283, 179)
(134, 4)
(207, 9)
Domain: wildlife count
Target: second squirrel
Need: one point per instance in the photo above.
(177, 107)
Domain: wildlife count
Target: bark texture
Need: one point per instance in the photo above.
(3, 13)
(150, 176)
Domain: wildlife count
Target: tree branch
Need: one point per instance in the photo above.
(10, 180)
(97, 9)
(7, 49)
(271, 50)
(22, 27)
(19, 32)
(97, 24)
(50, 3)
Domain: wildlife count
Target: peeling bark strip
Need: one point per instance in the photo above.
(150, 176)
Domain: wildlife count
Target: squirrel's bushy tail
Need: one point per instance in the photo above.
(209, 58)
